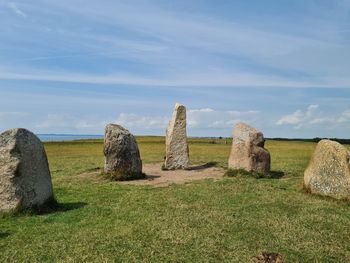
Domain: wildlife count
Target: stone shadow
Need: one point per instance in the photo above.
(55, 207)
(150, 177)
(202, 167)
(276, 174)
(63, 207)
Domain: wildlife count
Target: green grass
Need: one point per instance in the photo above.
(230, 220)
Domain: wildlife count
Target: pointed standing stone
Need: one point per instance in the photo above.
(248, 151)
(177, 153)
(25, 179)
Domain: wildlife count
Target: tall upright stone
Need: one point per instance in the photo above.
(122, 155)
(25, 179)
(328, 172)
(248, 151)
(177, 153)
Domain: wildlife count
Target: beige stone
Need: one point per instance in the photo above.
(122, 155)
(177, 153)
(248, 151)
(25, 179)
(328, 172)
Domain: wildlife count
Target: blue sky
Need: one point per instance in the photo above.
(74, 66)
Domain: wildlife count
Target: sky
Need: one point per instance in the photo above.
(71, 67)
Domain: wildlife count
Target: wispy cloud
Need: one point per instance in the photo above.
(128, 61)
(204, 79)
(16, 10)
(136, 121)
(204, 119)
(71, 123)
(158, 45)
(299, 117)
(208, 118)
(313, 117)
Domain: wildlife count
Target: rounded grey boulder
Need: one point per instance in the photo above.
(122, 155)
(25, 179)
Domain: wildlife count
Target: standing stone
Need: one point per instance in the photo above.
(122, 156)
(25, 179)
(177, 153)
(328, 172)
(248, 151)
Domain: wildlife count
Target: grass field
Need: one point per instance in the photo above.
(229, 220)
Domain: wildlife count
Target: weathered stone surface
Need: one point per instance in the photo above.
(122, 156)
(328, 172)
(25, 179)
(248, 151)
(177, 154)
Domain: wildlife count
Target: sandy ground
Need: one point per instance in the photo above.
(155, 176)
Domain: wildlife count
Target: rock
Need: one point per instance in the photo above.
(248, 151)
(25, 179)
(122, 156)
(328, 172)
(177, 153)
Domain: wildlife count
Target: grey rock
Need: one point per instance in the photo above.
(177, 152)
(25, 179)
(122, 156)
(248, 151)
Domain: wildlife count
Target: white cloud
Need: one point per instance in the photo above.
(56, 121)
(135, 121)
(204, 79)
(215, 119)
(200, 110)
(16, 10)
(294, 118)
(299, 117)
(243, 113)
(312, 117)
(203, 119)
(64, 123)
(344, 117)
(164, 40)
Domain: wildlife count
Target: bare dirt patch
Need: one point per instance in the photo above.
(155, 176)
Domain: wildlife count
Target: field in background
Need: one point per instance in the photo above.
(229, 220)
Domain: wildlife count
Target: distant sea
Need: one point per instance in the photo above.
(66, 137)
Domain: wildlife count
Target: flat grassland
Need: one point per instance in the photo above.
(228, 220)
